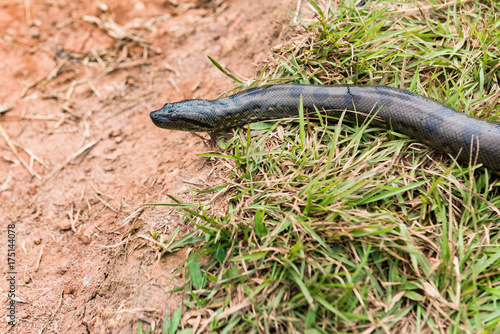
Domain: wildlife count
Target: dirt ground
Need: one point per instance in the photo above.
(79, 154)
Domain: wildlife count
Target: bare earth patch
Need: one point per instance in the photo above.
(79, 154)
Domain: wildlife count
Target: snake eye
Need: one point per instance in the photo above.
(173, 116)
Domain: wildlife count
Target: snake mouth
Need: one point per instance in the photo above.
(174, 121)
(159, 119)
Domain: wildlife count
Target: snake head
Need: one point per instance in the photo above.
(188, 115)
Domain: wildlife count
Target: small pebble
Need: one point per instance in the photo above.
(115, 133)
(64, 225)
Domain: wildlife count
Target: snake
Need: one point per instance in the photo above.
(466, 138)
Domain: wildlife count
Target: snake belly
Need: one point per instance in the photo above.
(439, 126)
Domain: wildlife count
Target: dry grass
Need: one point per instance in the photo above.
(77, 69)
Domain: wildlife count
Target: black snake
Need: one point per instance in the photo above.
(439, 126)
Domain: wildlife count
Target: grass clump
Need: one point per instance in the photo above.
(337, 227)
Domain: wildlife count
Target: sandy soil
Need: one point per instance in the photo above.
(79, 154)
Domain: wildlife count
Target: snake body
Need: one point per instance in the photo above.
(439, 126)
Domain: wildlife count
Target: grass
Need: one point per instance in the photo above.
(334, 227)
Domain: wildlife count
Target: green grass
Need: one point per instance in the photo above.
(334, 227)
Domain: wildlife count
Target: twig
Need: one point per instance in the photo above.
(98, 193)
(51, 318)
(422, 9)
(52, 74)
(13, 149)
(27, 12)
(53, 118)
(39, 259)
(32, 155)
(106, 203)
(106, 23)
(297, 11)
(130, 220)
(73, 218)
(86, 149)
(158, 243)
(102, 73)
(115, 245)
(226, 313)
(5, 109)
(6, 184)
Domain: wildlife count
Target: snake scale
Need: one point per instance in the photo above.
(439, 126)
